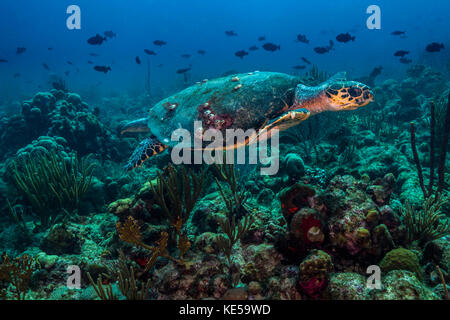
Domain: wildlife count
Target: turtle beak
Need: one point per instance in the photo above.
(364, 101)
(368, 96)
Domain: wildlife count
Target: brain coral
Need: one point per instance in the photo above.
(401, 259)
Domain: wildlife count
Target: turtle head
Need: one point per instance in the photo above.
(348, 95)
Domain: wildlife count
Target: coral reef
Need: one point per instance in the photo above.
(355, 189)
(58, 114)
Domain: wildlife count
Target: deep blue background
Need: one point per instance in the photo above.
(200, 24)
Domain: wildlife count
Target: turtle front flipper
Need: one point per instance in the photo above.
(146, 149)
(283, 122)
(139, 125)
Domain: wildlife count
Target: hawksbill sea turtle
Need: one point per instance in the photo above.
(260, 100)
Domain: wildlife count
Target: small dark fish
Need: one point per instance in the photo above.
(302, 38)
(202, 52)
(186, 56)
(103, 69)
(231, 33)
(159, 43)
(241, 54)
(67, 73)
(50, 49)
(253, 48)
(109, 34)
(70, 62)
(97, 40)
(21, 50)
(376, 72)
(271, 47)
(398, 33)
(16, 75)
(306, 60)
(322, 50)
(298, 67)
(138, 60)
(160, 65)
(93, 54)
(150, 52)
(435, 47)
(181, 71)
(345, 37)
(3, 61)
(262, 38)
(90, 62)
(401, 53)
(405, 60)
(45, 66)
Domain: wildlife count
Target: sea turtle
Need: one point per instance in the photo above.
(260, 100)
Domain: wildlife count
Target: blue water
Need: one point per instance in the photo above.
(188, 26)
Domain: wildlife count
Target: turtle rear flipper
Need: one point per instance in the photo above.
(146, 149)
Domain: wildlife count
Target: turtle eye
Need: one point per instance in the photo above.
(332, 92)
(355, 91)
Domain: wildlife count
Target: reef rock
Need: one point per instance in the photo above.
(347, 286)
(402, 285)
(60, 240)
(314, 273)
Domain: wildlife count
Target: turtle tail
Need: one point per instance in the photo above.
(146, 149)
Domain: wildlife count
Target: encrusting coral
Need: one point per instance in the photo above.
(314, 272)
